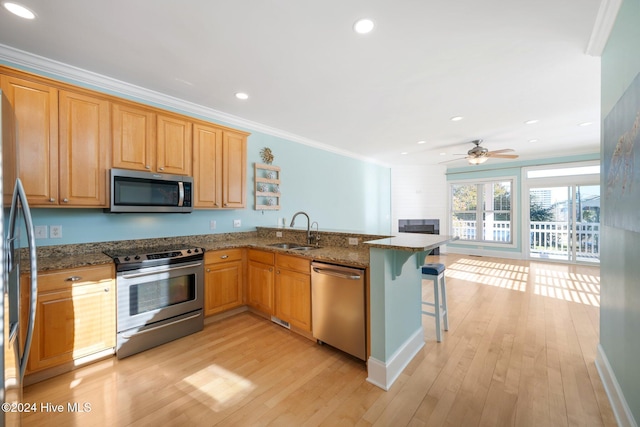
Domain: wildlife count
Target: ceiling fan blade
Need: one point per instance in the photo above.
(506, 150)
(452, 160)
(503, 156)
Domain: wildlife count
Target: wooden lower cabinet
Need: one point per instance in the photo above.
(293, 291)
(75, 315)
(223, 280)
(260, 281)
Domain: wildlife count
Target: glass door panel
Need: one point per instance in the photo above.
(550, 212)
(564, 223)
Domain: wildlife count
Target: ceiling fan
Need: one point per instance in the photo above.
(478, 154)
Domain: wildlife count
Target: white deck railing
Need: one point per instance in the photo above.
(549, 237)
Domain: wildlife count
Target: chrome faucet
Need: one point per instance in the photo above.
(293, 220)
(317, 238)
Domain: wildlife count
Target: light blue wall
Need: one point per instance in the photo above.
(502, 170)
(340, 192)
(619, 267)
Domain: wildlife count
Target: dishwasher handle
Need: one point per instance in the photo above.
(337, 273)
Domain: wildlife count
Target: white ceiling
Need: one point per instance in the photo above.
(497, 63)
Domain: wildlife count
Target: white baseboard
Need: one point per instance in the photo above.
(384, 374)
(621, 409)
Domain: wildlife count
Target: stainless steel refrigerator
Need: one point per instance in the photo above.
(15, 220)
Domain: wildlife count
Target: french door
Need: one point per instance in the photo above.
(564, 223)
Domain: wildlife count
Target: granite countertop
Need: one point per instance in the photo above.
(332, 248)
(412, 242)
(357, 256)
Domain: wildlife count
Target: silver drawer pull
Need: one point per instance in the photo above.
(73, 279)
(224, 256)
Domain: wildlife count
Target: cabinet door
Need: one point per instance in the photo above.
(260, 287)
(234, 170)
(72, 323)
(174, 145)
(207, 166)
(293, 298)
(36, 110)
(223, 287)
(84, 150)
(133, 133)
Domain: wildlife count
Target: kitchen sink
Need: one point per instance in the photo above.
(284, 245)
(293, 246)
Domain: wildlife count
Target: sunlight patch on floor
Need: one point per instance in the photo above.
(216, 387)
(506, 276)
(579, 288)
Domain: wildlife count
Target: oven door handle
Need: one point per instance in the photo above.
(149, 273)
(161, 326)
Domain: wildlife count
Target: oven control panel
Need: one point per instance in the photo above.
(157, 257)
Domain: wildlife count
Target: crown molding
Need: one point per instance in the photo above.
(605, 21)
(74, 75)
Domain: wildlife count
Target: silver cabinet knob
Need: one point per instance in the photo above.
(52, 200)
(161, 169)
(106, 289)
(224, 256)
(208, 270)
(73, 279)
(65, 200)
(147, 167)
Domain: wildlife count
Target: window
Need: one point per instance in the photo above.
(481, 211)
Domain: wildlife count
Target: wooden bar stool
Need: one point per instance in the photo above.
(435, 273)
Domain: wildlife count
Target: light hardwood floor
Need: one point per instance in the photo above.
(520, 351)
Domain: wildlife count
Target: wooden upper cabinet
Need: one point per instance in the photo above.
(174, 145)
(36, 110)
(133, 133)
(207, 166)
(234, 169)
(84, 149)
(219, 167)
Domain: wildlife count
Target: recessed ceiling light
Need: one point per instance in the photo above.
(19, 10)
(422, 142)
(456, 118)
(242, 95)
(530, 122)
(363, 26)
(404, 153)
(443, 154)
(533, 140)
(585, 124)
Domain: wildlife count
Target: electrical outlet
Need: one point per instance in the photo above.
(40, 231)
(56, 232)
(278, 233)
(353, 240)
(237, 223)
(212, 225)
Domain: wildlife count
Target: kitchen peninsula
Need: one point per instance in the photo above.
(393, 268)
(395, 302)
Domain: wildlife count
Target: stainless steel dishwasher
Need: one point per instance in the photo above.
(338, 307)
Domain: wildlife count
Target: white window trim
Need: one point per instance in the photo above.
(515, 209)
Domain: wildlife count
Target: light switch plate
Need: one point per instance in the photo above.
(237, 223)
(40, 231)
(278, 233)
(212, 225)
(353, 240)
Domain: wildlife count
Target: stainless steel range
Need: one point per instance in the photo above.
(160, 296)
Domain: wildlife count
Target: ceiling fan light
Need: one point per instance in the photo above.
(477, 160)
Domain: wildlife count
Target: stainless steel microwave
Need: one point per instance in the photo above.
(134, 191)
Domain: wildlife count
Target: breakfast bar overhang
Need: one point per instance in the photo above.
(395, 302)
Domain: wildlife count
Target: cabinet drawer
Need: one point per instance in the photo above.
(66, 278)
(223, 255)
(294, 263)
(261, 256)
